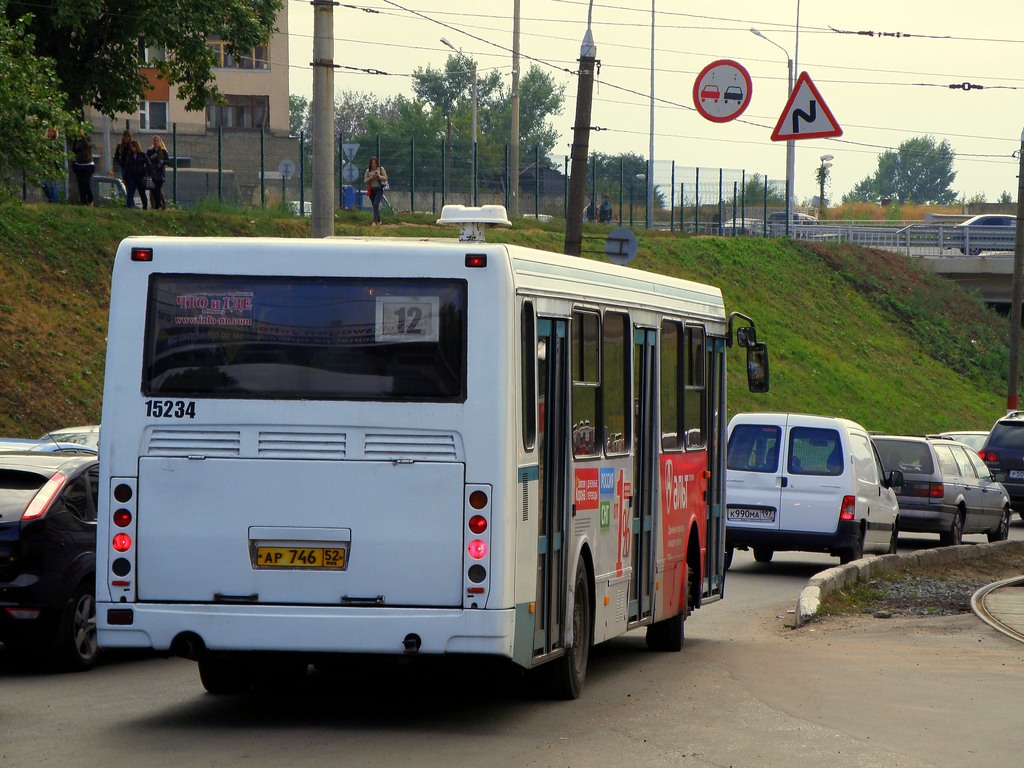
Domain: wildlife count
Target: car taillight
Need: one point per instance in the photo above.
(848, 511)
(990, 457)
(41, 501)
(936, 490)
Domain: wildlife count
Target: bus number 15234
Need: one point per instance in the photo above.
(171, 409)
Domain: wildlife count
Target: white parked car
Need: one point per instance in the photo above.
(797, 482)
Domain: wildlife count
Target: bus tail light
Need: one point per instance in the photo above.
(123, 505)
(477, 552)
(848, 511)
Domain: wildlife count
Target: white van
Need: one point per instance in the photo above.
(807, 483)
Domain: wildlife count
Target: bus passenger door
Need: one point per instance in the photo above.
(552, 455)
(714, 572)
(645, 456)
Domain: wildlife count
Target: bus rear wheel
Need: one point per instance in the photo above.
(667, 635)
(563, 678)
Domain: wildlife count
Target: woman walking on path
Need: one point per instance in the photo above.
(158, 158)
(375, 178)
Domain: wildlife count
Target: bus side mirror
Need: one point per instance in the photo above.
(746, 336)
(757, 367)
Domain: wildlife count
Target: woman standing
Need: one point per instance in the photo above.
(121, 152)
(158, 158)
(135, 169)
(84, 167)
(375, 178)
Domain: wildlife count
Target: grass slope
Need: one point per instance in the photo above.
(859, 333)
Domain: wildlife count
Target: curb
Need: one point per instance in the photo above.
(823, 583)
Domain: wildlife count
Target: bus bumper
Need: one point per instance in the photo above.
(306, 629)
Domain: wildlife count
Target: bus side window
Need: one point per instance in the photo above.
(586, 382)
(615, 383)
(671, 365)
(695, 423)
(528, 372)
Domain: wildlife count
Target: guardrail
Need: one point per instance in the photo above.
(909, 239)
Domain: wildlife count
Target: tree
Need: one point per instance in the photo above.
(95, 45)
(298, 114)
(1005, 198)
(919, 171)
(30, 102)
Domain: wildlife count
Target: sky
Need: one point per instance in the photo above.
(881, 88)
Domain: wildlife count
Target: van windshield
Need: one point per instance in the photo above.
(305, 338)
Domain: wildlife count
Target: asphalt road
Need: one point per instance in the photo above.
(747, 690)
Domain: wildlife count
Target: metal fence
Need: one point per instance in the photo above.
(260, 169)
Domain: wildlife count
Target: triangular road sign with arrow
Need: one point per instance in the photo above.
(806, 115)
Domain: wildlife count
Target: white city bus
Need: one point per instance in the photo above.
(399, 446)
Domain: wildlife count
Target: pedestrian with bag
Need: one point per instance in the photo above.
(84, 167)
(136, 171)
(376, 179)
(158, 159)
(121, 153)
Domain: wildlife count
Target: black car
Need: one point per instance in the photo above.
(1004, 454)
(48, 554)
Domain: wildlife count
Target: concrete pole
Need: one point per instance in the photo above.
(514, 138)
(1018, 288)
(580, 147)
(323, 118)
(650, 154)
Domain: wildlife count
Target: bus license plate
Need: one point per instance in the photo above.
(752, 514)
(301, 557)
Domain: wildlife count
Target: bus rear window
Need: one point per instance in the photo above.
(305, 338)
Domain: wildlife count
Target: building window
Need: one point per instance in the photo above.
(153, 116)
(239, 113)
(257, 58)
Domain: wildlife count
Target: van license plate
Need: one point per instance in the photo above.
(751, 514)
(300, 557)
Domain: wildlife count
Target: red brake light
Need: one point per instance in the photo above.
(990, 456)
(122, 518)
(936, 490)
(142, 254)
(476, 259)
(122, 542)
(477, 549)
(849, 509)
(478, 499)
(41, 501)
(478, 524)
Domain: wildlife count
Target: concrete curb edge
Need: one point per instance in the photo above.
(823, 583)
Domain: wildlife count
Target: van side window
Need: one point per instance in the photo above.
(815, 451)
(863, 459)
(754, 448)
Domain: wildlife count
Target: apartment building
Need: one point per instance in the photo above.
(219, 150)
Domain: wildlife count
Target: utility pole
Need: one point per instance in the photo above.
(514, 138)
(580, 147)
(1018, 288)
(322, 220)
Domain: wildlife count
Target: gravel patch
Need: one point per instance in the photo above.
(921, 596)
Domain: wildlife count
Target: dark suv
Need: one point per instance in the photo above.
(947, 489)
(1004, 454)
(48, 554)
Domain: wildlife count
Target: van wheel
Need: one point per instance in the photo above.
(763, 554)
(1002, 531)
(955, 534)
(856, 552)
(895, 538)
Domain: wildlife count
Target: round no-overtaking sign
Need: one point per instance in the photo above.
(722, 90)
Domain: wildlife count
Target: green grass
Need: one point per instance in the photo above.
(852, 332)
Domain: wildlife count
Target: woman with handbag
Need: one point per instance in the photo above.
(376, 179)
(158, 158)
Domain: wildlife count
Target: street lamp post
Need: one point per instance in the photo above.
(822, 176)
(790, 156)
(472, 74)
